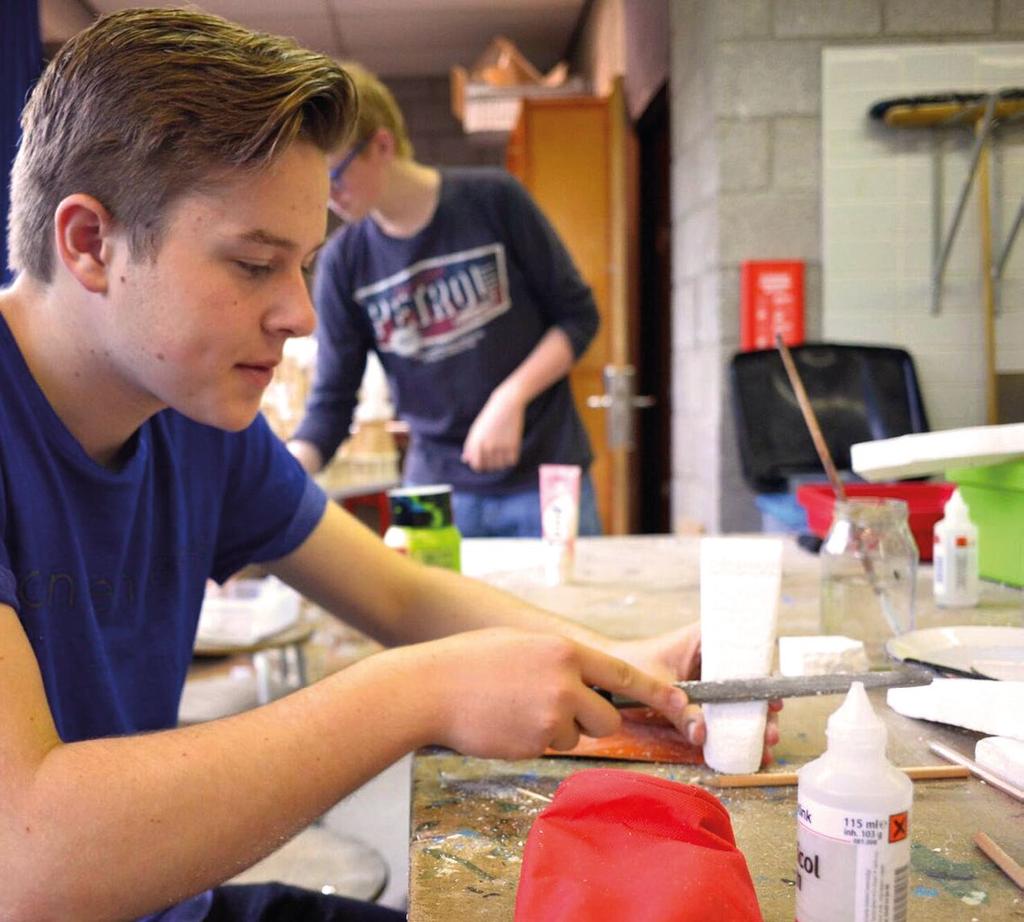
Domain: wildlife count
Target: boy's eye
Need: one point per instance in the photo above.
(254, 270)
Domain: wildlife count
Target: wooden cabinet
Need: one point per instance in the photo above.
(565, 152)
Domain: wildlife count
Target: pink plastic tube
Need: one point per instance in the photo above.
(559, 519)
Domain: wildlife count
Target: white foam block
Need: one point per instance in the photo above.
(739, 594)
(735, 740)
(975, 704)
(821, 654)
(1003, 757)
(934, 452)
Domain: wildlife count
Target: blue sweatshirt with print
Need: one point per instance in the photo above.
(451, 312)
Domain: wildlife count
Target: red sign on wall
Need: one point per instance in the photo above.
(771, 300)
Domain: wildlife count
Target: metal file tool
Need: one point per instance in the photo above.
(769, 687)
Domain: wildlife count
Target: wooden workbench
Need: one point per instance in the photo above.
(471, 817)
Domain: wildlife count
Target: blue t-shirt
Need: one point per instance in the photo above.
(451, 311)
(106, 568)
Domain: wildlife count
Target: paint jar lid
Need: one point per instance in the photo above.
(421, 507)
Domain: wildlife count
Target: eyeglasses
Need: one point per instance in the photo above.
(346, 161)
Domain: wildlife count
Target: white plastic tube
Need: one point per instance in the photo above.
(559, 520)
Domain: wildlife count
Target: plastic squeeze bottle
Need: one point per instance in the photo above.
(853, 824)
(955, 557)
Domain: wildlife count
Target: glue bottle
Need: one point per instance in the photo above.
(853, 824)
(955, 557)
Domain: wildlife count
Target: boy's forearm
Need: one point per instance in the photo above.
(128, 825)
(404, 602)
(457, 603)
(549, 361)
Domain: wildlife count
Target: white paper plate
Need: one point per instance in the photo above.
(994, 652)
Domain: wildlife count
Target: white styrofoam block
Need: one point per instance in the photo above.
(739, 593)
(933, 452)
(1003, 757)
(735, 740)
(821, 654)
(975, 704)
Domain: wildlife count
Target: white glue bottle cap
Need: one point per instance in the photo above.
(955, 511)
(855, 725)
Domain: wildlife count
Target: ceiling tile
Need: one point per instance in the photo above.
(401, 37)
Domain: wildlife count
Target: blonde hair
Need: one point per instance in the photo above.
(378, 109)
(148, 105)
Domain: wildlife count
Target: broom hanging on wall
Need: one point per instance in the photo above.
(981, 111)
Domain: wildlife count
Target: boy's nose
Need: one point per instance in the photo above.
(295, 316)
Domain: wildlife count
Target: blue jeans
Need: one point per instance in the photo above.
(516, 515)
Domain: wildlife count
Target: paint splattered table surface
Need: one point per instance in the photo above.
(471, 817)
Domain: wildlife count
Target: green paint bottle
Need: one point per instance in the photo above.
(422, 527)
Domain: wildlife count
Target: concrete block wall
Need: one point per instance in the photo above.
(746, 113)
(877, 218)
(698, 384)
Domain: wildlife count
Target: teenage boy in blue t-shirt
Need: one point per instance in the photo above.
(167, 197)
(461, 286)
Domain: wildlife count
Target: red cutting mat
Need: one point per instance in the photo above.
(645, 736)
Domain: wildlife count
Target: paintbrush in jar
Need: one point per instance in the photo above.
(821, 446)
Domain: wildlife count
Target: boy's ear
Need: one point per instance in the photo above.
(384, 142)
(82, 231)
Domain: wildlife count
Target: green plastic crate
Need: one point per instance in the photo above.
(995, 498)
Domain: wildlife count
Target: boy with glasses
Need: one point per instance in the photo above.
(465, 292)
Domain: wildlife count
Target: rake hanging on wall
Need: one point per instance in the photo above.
(982, 112)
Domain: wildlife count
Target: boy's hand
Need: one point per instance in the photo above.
(675, 657)
(495, 438)
(508, 694)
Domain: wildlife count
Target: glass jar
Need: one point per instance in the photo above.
(869, 573)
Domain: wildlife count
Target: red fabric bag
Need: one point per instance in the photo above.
(620, 846)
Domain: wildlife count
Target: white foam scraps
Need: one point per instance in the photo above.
(1002, 756)
(990, 707)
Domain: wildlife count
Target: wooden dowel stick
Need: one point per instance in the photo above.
(1000, 859)
(951, 755)
(987, 282)
(770, 779)
(810, 418)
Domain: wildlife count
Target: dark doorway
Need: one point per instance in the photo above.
(654, 324)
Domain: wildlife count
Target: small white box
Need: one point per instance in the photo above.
(821, 654)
